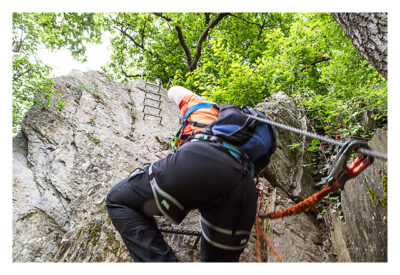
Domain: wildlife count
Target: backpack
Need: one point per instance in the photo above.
(254, 139)
(183, 122)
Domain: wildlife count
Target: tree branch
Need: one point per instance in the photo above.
(248, 22)
(192, 63)
(207, 15)
(19, 43)
(261, 29)
(203, 36)
(15, 78)
(144, 29)
(180, 37)
(130, 37)
(318, 60)
(126, 75)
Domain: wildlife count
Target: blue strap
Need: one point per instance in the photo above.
(233, 150)
(196, 107)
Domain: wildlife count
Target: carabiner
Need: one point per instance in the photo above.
(340, 170)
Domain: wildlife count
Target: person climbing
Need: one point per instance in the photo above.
(202, 174)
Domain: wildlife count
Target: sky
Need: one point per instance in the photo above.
(62, 62)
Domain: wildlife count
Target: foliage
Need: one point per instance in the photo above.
(310, 59)
(31, 81)
(243, 58)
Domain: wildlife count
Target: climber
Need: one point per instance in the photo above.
(198, 175)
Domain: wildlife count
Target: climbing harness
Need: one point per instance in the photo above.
(234, 151)
(183, 122)
(253, 137)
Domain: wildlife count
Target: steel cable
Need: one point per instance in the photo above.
(364, 151)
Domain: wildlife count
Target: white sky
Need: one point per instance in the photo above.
(62, 62)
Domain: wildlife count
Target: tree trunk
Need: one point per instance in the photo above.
(368, 33)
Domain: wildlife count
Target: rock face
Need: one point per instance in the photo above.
(65, 163)
(287, 177)
(362, 236)
(288, 168)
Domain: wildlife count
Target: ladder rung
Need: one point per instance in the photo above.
(145, 105)
(152, 84)
(148, 114)
(158, 106)
(149, 98)
(149, 92)
(160, 117)
(144, 90)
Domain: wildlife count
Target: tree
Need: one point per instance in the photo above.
(192, 62)
(158, 43)
(306, 55)
(368, 32)
(238, 58)
(31, 81)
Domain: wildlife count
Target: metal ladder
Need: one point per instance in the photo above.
(147, 98)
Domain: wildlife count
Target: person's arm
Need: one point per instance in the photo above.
(177, 93)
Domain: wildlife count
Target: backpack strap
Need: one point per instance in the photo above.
(196, 107)
(179, 136)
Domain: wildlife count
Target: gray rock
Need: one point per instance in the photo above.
(65, 163)
(288, 169)
(362, 236)
(296, 238)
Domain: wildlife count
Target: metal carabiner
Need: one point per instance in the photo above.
(339, 166)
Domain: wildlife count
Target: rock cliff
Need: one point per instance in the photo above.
(65, 162)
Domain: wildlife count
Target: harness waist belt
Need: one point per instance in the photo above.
(239, 155)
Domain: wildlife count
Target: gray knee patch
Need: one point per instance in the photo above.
(224, 238)
(170, 207)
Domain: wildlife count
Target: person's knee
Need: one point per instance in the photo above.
(109, 197)
(112, 197)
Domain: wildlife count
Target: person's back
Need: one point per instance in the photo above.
(200, 175)
(185, 100)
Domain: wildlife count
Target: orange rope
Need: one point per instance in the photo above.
(258, 230)
(306, 204)
(351, 171)
(270, 245)
(258, 249)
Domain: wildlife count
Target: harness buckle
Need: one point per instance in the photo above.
(341, 171)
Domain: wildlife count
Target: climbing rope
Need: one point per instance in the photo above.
(340, 172)
(267, 241)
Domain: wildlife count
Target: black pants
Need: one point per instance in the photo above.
(200, 176)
